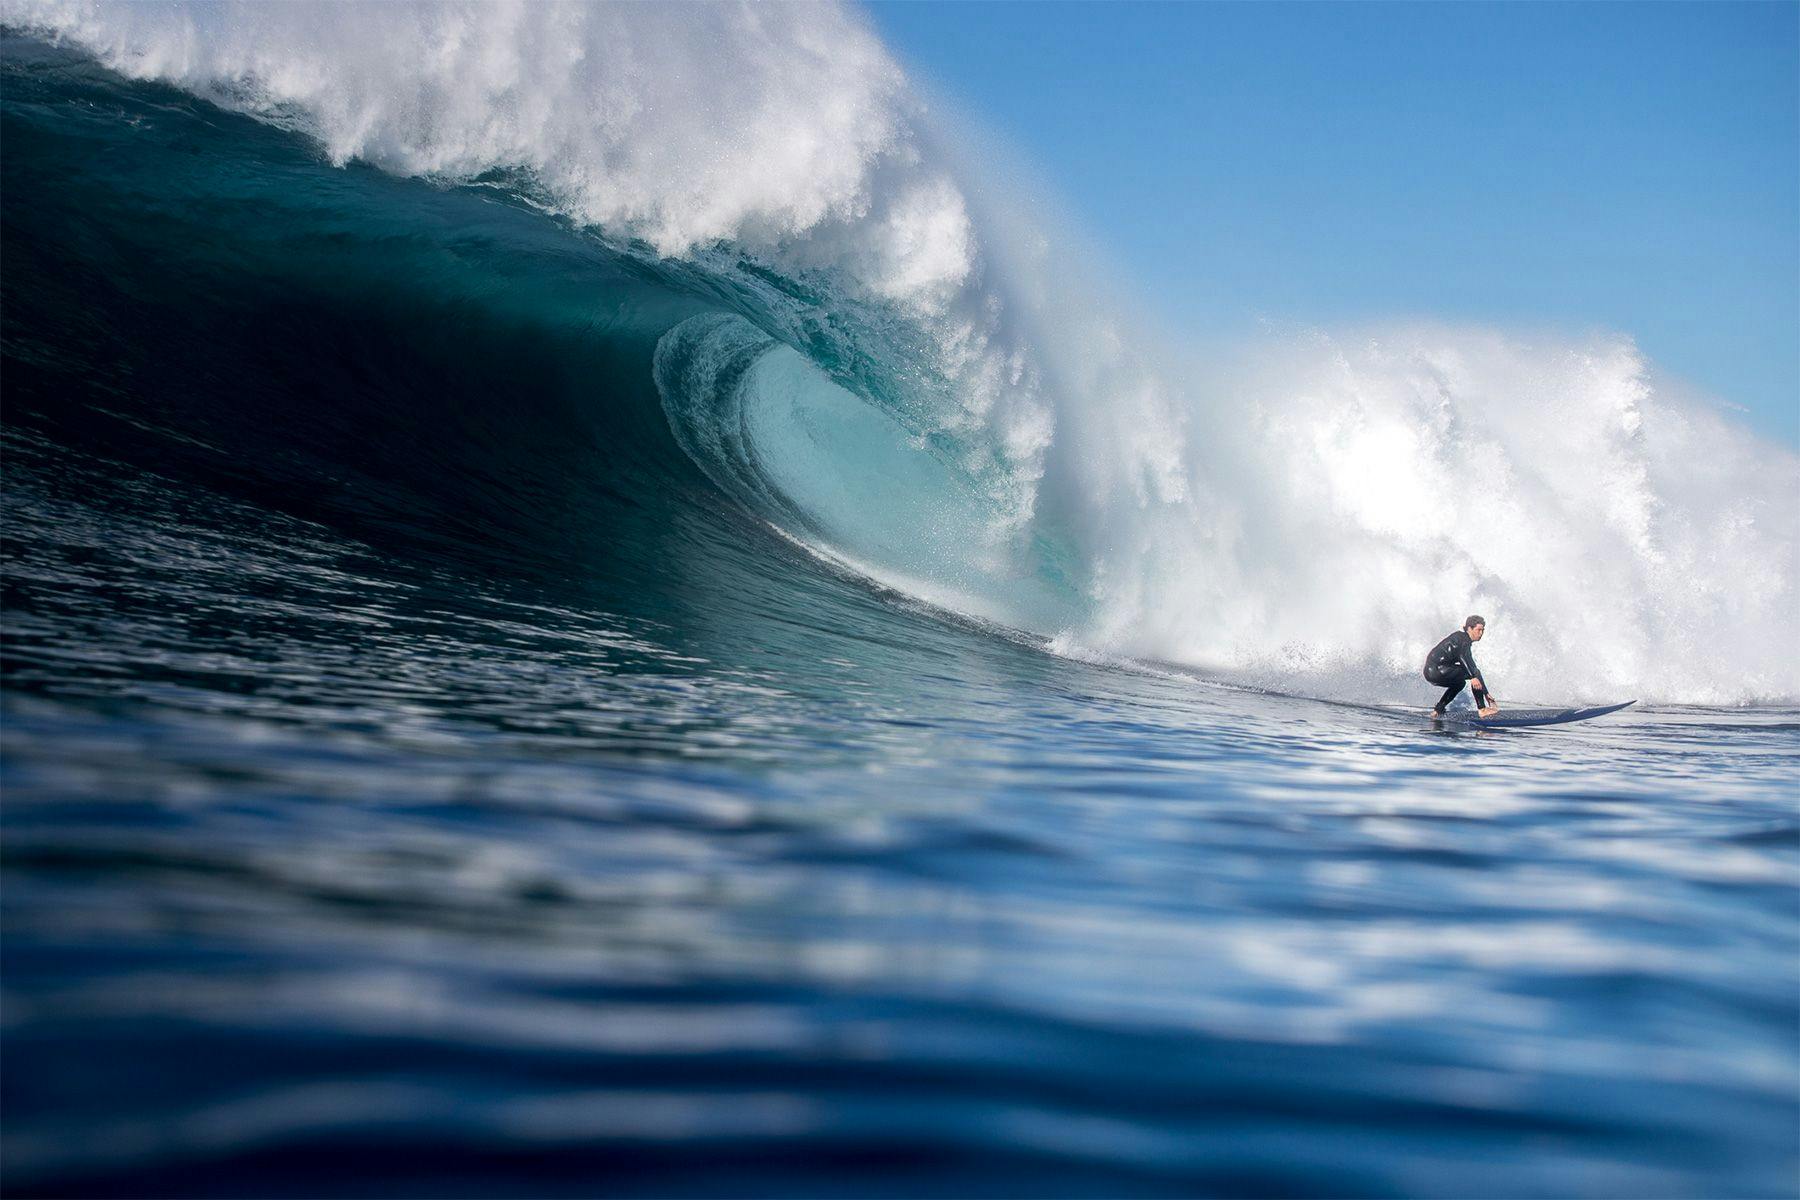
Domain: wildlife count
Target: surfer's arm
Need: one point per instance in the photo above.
(1475, 681)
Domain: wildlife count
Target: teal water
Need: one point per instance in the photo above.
(427, 771)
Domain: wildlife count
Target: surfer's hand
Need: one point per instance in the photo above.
(1492, 710)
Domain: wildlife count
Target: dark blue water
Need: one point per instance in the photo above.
(421, 778)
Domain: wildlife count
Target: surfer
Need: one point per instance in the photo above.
(1451, 664)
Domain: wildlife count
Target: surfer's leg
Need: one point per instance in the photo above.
(1450, 693)
(1455, 677)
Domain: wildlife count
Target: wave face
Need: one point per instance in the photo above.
(912, 383)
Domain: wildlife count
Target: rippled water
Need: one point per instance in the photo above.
(330, 872)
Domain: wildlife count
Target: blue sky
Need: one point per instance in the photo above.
(1616, 166)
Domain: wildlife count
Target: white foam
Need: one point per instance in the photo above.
(1360, 494)
(1311, 517)
(679, 124)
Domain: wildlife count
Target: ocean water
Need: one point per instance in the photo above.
(578, 620)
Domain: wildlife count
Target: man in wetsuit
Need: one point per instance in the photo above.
(1451, 664)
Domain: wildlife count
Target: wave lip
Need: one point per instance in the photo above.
(679, 125)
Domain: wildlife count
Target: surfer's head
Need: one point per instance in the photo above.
(1475, 626)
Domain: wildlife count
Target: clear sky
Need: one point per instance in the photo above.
(1631, 167)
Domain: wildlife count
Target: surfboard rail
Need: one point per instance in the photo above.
(1527, 718)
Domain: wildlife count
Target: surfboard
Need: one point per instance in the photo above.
(1525, 718)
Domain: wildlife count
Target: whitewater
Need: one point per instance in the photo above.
(602, 599)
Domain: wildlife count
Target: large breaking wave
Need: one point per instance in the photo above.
(897, 370)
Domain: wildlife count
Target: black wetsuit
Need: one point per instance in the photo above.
(1451, 664)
